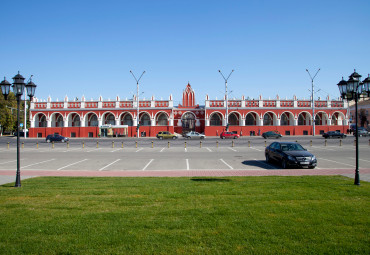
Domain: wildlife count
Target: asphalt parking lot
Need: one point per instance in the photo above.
(150, 154)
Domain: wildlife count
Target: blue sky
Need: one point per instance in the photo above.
(87, 48)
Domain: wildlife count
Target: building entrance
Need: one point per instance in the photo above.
(188, 122)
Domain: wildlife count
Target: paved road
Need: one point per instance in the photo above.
(214, 157)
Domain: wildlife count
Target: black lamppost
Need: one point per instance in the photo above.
(18, 88)
(353, 89)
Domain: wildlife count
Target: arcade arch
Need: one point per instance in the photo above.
(215, 119)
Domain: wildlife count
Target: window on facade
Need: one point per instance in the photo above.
(267, 120)
(284, 120)
(318, 121)
(162, 120)
(145, 120)
(233, 120)
(42, 121)
(215, 120)
(76, 121)
(93, 121)
(110, 120)
(301, 120)
(127, 120)
(250, 120)
(59, 121)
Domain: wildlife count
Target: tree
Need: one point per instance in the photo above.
(8, 113)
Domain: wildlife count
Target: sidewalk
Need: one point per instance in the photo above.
(9, 176)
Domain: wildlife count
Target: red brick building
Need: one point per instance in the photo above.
(82, 118)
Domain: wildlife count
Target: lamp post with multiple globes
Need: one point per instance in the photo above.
(18, 88)
(354, 89)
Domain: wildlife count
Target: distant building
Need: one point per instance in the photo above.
(246, 116)
(363, 109)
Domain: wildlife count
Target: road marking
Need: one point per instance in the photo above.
(147, 164)
(72, 164)
(39, 163)
(255, 149)
(209, 149)
(71, 149)
(232, 149)
(360, 159)
(116, 150)
(11, 161)
(162, 149)
(323, 148)
(109, 164)
(226, 164)
(186, 150)
(139, 150)
(337, 162)
(93, 150)
(187, 164)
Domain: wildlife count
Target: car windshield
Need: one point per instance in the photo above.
(291, 147)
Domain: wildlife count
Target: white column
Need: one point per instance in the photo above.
(65, 122)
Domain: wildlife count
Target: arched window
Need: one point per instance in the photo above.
(162, 120)
(250, 119)
(59, 121)
(301, 120)
(334, 119)
(127, 120)
(188, 122)
(145, 120)
(76, 120)
(92, 121)
(267, 120)
(233, 120)
(284, 120)
(215, 120)
(41, 121)
(318, 120)
(109, 119)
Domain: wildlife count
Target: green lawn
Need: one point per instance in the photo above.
(233, 215)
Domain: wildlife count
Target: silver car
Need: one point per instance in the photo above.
(194, 135)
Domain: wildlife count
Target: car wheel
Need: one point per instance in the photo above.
(202, 137)
(63, 141)
(48, 140)
(161, 138)
(223, 137)
(235, 137)
(311, 167)
(173, 138)
(284, 164)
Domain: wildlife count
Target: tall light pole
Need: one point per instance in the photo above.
(353, 89)
(227, 98)
(18, 89)
(137, 101)
(25, 111)
(313, 100)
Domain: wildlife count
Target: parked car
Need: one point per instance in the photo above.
(290, 154)
(271, 134)
(56, 138)
(166, 135)
(194, 135)
(362, 132)
(230, 135)
(334, 134)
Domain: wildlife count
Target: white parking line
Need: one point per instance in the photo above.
(72, 149)
(147, 164)
(232, 149)
(71, 164)
(254, 149)
(162, 149)
(186, 150)
(93, 150)
(109, 164)
(139, 150)
(336, 162)
(116, 150)
(209, 149)
(226, 164)
(39, 163)
(360, 159)
(187, 164)
(11, 161)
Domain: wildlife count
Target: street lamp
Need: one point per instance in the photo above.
(313, 100)
(353, 89)
(227, 99)
(18, 88)
(137, 101)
